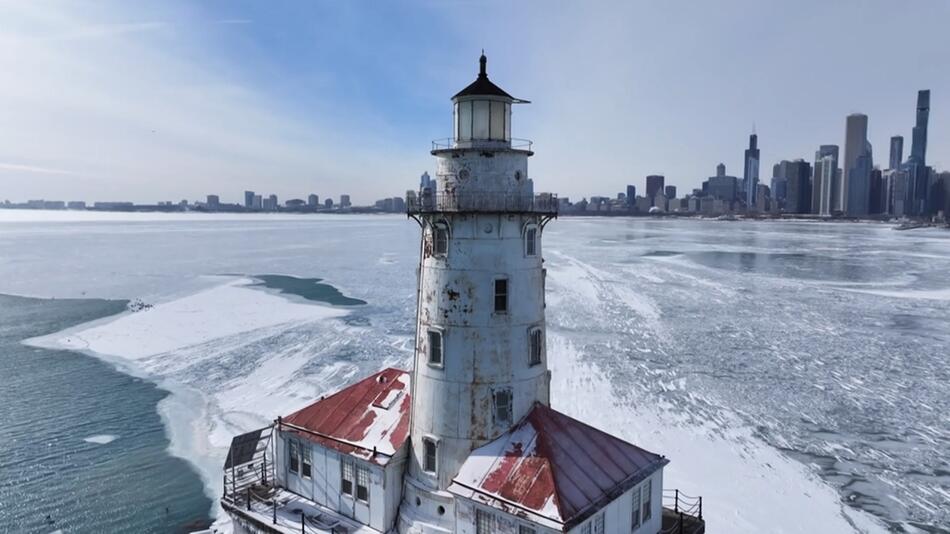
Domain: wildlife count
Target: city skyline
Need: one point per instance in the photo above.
(231, 103)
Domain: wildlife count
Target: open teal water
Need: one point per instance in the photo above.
(50, 403)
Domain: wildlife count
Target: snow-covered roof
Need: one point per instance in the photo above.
(370, 416)
(553, 469)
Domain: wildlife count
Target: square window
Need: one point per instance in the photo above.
(429, 455)
(435, 347)
(503, 406)
(441, 240)
(501, 295)
(483, 522)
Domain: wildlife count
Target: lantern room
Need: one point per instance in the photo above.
(482, 112)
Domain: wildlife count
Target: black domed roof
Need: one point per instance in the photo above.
(482, 85)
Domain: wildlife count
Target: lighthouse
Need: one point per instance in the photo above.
(467, 441)
(480, 362)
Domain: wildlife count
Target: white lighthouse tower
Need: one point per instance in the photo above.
(467, 442)
(480, 361)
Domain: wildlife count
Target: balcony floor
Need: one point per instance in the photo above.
(290, 506)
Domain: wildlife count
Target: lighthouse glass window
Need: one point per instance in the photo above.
(435, 348)
(531, 242)
(440, 237)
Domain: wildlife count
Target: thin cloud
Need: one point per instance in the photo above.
(35, 169)
(233, 21)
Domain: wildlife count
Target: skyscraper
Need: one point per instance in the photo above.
(750, 175)
(631, 195)
(855, 143)
(798, 176)
(818, 187)
(670, 191)
(249, 199)
(654, 185)
(721, 169)
(897, 152)
(917, 162)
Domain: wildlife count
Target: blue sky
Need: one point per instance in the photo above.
(167, 100)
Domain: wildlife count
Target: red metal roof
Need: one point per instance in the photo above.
(555, 467)
(370, 415)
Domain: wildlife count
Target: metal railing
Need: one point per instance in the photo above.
(426, 202)
(516, 143)
(686, 515)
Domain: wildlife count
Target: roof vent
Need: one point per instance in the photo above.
(381, 379)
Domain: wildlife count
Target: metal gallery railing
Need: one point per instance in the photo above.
(515, 143)
(490, 202)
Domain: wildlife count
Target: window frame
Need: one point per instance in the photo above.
(535, 352)
(599, 523)
(586, 528)
(636, 521)
(531, 245)
(428, 441)
(429, 346)
(347, 484)
(362, 475)
(496, 294)
(437, 230)
(306, 462)
(647, 505)
(496, 406)
(525, 529)
(293, 456)
(484, 522)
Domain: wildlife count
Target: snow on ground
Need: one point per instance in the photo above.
(746, 486)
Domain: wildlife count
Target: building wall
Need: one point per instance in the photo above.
(323, 487)
(617, 515)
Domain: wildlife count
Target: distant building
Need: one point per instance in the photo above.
(896, 189)
(644, 204)
(345, 201)
(798, 179)
(917, 162)
(897, 152)
(313, 200)
(249, 197)
(295, 203)
(721, 169)
(654, 185)
(257, 203)
(76, 204)
(213, 201)
(631, 195)
(857, 174)
(750, 175)
(762, 198)
(328, 203)
(721, 187)
(876, 192)
(670, 191)
(826, 155)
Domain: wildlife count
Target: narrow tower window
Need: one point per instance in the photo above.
(535, 338)
(429, 450)
(440, 237)
(531, 242)
(435, 348)
(503, 407)
(501, 295)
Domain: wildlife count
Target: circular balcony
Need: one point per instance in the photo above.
(487, 202)
(450, 144)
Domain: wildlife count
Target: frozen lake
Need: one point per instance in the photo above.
(794, 373)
